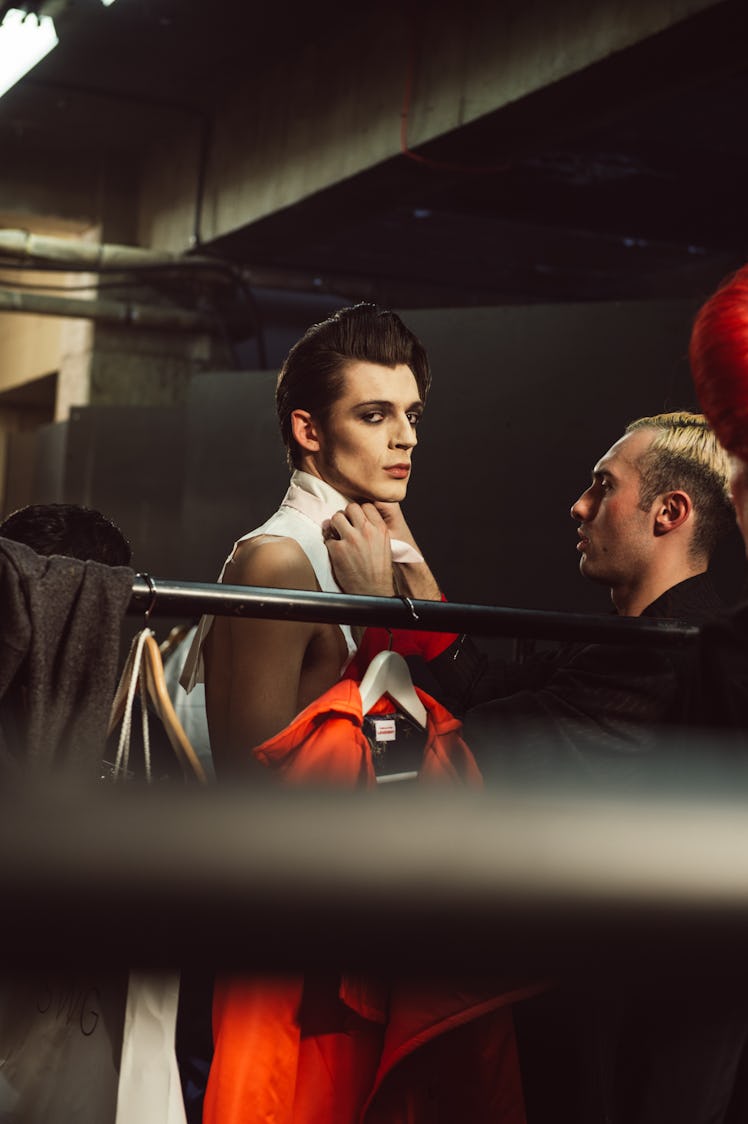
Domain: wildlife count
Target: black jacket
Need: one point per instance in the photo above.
(718, 698)
(585, 709)
(59, 654)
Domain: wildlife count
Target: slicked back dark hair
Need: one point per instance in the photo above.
(69, 529)
(311, 377)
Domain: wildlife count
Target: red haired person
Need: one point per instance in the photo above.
(718, 355)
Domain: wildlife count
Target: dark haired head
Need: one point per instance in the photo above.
(312, 374)
(70, 530)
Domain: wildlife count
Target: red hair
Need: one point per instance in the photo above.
(718, 353)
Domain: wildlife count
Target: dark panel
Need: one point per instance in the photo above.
(49, 470)
(19, 474)
(127, 461)
(524, 402)
(36, 466)
(236, 472)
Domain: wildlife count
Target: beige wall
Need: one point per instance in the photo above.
(30, 346)
(34, 346)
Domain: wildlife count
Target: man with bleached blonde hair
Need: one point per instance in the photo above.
(647, 526)
(648, 523)
(657, 506)
(685, 453)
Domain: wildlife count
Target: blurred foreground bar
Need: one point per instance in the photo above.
(406, 881)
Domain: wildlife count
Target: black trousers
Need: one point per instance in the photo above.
(644, 1055)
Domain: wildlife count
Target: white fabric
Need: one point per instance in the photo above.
(189, 708)
(149, 1090)
(314, 498)
(306, 506)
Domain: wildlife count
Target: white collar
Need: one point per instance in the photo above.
(316, 499)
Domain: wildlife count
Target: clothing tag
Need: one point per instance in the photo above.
(384, 729)
(396, 742)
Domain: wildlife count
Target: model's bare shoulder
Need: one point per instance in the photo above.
(270, 560)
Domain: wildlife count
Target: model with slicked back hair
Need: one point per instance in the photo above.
(312, 375)
(685, 455)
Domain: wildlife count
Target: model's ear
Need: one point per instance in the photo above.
(673, 510)
(304, 430)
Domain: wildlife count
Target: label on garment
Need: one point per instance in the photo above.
(384, 729)
(401, 749)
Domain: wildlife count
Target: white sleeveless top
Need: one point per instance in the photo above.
(306, 505)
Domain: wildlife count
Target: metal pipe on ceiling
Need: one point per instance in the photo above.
(122, 313)
(39, 252)
(22, 245)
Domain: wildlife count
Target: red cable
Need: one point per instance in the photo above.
(404, 115)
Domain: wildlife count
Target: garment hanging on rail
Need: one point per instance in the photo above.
(327, 742)
(306, 1050)
(59, 651)
(143, 674)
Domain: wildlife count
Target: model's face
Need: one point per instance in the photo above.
(370, 433)
(615, 536)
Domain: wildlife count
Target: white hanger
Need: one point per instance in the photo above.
(388, 674)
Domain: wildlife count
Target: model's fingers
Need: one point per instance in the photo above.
(329, 531)
(340, 524)
(372, 515)
(356, 515)
(392, 517)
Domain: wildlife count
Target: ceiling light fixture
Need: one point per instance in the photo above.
(25, 39)
(106, 3)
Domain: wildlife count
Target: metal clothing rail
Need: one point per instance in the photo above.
(157, 596)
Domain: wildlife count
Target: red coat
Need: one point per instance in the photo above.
(349, 1050)
(406, 641)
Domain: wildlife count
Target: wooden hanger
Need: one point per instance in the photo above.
(152, 669)
(388, 674)
(175, 637)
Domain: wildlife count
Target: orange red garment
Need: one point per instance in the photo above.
(405, 641)
(326, 743)
(353, 1051)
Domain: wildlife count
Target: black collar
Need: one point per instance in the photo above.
(694, 599)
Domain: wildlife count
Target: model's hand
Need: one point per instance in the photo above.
(394, 520)
(412, 578)
(358, 543)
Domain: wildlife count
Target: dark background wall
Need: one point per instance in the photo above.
(524, 401)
